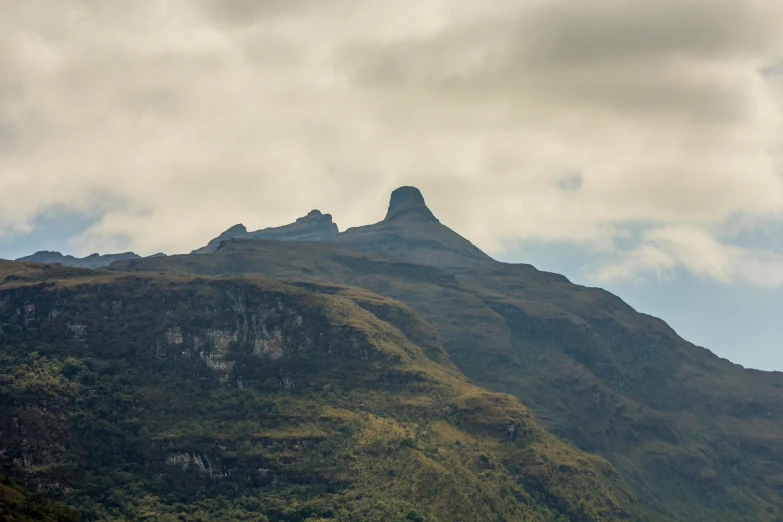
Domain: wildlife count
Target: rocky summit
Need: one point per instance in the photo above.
(408, 201)
(315, 226)
(390, 372)
(411, 232)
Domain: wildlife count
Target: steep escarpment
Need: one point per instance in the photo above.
(138, 396)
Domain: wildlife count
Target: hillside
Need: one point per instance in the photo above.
(695, 436)
(19, 505)
(166, 396)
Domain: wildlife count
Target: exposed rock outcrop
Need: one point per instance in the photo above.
(315, 226)
(408, 201)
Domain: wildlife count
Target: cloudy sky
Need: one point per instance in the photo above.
(631, 145)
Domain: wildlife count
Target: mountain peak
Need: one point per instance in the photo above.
(315, 215)
(236, 229)
(408, 201)
(315, 226)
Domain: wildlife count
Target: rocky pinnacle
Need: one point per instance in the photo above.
(408, 201)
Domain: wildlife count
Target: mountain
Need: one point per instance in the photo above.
(91, 261)
(695, 437)
(172, 396)
(412, 233)
(312, 227)
(409, 232)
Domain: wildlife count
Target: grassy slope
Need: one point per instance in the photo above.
(18, 505)
(172, 397)
(697, 436)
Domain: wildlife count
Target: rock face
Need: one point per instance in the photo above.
(91, 261)
(315, 226)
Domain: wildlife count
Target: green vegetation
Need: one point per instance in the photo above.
(177, 397)
(695, 436)
(19, 505)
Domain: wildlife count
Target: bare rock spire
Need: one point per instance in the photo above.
(408, 201)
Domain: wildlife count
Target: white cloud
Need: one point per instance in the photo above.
(664, 250)
(183, 117)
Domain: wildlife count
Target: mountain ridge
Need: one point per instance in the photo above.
(692, 436)
(314, 226)
(92, 261)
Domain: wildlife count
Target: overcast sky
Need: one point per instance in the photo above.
(633, 145)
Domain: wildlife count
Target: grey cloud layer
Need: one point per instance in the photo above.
(198, 115)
